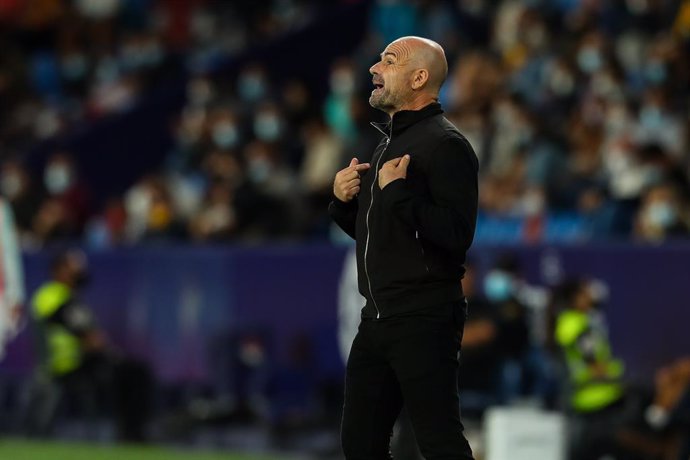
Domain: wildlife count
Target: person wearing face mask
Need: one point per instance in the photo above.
(225, 134)
(411, 208)
(338, 105)
(661, 215)
(67, 192)
(268, 126)
(252, 84)
(501, 286)
(75, 360)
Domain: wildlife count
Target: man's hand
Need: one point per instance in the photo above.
(393, 169)
(346, 184)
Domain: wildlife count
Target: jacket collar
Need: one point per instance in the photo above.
(406, 118)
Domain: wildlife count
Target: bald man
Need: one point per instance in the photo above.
(411, 207)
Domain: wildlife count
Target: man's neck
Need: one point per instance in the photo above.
(417, 103)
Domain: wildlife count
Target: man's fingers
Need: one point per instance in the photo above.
(354, 164)
(404, 162)
(348, 176)
(393, 162)
(345, 186)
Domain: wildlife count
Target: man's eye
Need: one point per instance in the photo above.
(389, 62)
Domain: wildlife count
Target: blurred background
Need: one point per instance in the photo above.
(167, 165)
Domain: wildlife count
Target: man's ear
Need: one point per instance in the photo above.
(419, 78)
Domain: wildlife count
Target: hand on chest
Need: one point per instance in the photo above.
(398, 162)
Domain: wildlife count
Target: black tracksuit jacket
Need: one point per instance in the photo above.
(413, 235)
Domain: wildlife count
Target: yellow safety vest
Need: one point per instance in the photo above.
(62, 347)
(590, 393)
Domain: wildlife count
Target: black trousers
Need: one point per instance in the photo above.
(411, 360)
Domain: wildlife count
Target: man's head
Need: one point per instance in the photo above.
(70, 267)
(409, 75)
(576, 294)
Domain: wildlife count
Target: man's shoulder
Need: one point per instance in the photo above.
(49, 297)
(447, 135)
(439, 127)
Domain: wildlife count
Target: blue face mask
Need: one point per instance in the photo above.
(651, 117)
(589, 60)
(259, 170)
(267, 128)
(661, 214)
(107, 70)
(251, 88)
(57, 179)
(74, 67)
(498, 286)
(655, 72)
(225, 135)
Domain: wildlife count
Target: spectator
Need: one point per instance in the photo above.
(562, 122)
(64, 186)
(322, 157)
(216, 220)
(662, 215)
(501, 290)
(480, 353)
(24, 196)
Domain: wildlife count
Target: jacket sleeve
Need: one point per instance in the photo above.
(344, 214)
(449, 219)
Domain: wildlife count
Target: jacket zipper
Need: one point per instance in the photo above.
(371, 204)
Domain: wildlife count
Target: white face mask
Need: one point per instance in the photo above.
(58, 178)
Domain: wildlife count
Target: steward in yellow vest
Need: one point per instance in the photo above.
(595, 375)
(66, 329)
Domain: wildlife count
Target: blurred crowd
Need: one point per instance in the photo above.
(548, 346)
(575, 107)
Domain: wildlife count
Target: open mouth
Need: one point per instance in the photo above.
(378, 87)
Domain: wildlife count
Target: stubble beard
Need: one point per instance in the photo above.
(383, 101)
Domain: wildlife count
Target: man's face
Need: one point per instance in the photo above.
(392, 77)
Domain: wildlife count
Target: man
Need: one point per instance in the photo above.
(412, 211)
(597, 390)
(76, 360)
(11, 278)
(69, 343)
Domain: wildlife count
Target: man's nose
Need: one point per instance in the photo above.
(372, 69)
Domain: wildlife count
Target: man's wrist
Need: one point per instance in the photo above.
(343, 204)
